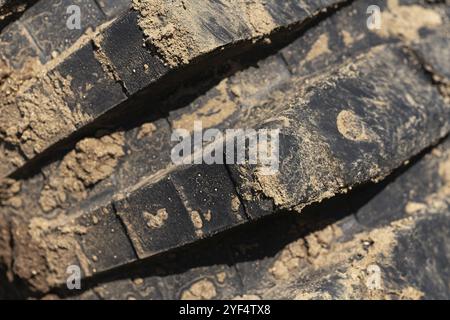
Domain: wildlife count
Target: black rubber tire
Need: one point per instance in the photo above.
(86, 162)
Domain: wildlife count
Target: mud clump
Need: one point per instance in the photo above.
(156, 221)
(306, 249)
(410, 293)
(354, 258)
(91, 161)
(45, 114)
(201, 290)
(9, 193)
(11, 84)
(197, 222)
(445, 91)
(43, 249)
(415, 207)
(353, 127)
(34, 114)
(179, 29)
(5, 247)
(147, 129)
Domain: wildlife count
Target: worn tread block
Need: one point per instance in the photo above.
(155, 218)
(196, 201)
(351, 140)
(140, 68)
(332, 41)
(123, 44)
(41, 31)
(328, 128)
(390, 141)
(209, 26)
(256, 205)
(105, 243)
(208, 193)
(95, 90)
(46, 22)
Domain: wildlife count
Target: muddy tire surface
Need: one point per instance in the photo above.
(112, 112)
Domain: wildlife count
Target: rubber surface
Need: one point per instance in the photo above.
(358, 113)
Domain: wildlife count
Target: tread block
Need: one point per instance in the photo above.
(123, 44)
(106, 243)
(256, 205)
(95, 90)
(47, 23)
(340, 137)
(209, 194)
(155, 218)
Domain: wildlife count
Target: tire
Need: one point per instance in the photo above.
(87, 151)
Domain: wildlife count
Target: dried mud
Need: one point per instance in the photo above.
(53, 245)
(406, 21)
(35, 115)
(201, 290)
(34, 106)
(92, 161)
(322, 250)
(176, 28)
